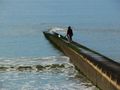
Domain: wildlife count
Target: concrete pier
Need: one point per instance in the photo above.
(101, 70)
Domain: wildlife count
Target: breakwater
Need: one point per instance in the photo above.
(101, 70)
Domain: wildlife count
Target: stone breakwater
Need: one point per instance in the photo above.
(101, 70)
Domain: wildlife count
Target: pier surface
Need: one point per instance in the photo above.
(101, 70)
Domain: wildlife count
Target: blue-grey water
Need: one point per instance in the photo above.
(29, 62)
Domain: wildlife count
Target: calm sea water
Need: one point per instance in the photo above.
(29, 62)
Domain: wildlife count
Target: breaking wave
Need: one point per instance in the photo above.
(34, 67)
(36, 73)
(35, 64)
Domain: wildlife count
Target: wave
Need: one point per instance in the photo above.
(31, 68)
(42, 73)
(35, 63)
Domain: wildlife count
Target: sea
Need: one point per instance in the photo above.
(28, 61)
